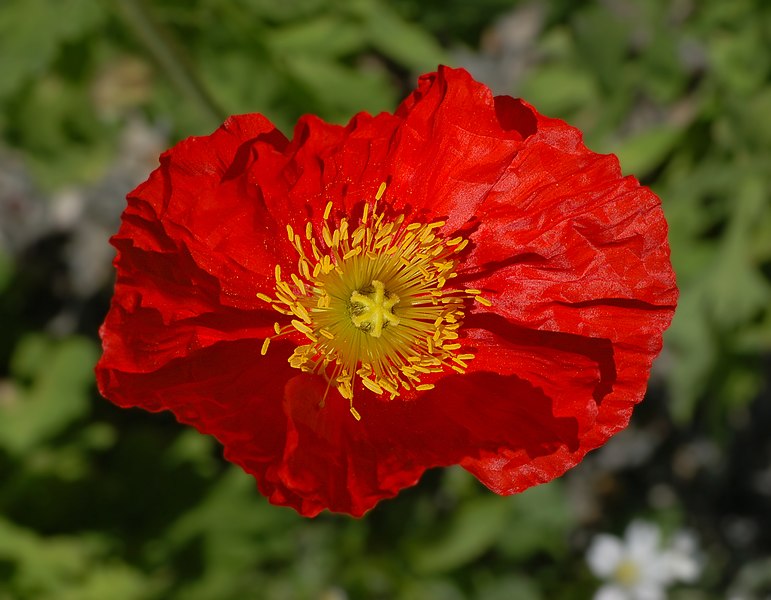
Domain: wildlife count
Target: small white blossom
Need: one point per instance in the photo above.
(639, 566)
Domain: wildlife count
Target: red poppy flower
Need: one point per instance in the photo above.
(460, 282)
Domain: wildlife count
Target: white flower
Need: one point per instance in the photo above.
(640, 567)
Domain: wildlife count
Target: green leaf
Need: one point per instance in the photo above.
(329, 36)
(519, 525)
(739, 59)
(51, 391)
(645, 151)
(341, 91)
(6, 270)
(693, 354)
(401, 41)
(64, 568)
(602, 39)
(559, 89)
(472, 530)
(235, 530)
(508, 587)
(31, 32)
(431, 588)
(735, 290)
(538, 521)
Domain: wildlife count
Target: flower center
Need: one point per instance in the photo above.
(372, 311)
(371, 303)
(627, 573)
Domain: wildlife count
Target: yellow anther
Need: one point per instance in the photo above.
(388, 387)
(372, 386)
(265, 344)
(352, 253)
(327, 237)
(304, 269)
(461, 246)
(302, 327)
(284, 287)
(302, 312)
(299, 283)
(384, 242)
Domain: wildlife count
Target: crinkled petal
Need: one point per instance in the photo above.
(455, 142)
(563, 243)
(183, 283)
(332, 461)
(568, 371)
(325, 163)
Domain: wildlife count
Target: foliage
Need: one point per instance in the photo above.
(99, 503)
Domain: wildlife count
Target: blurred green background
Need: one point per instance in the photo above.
(100, 503)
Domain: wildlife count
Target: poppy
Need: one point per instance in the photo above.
(459, 282)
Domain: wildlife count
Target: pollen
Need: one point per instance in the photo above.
(373, 303)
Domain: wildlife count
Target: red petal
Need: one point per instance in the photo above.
(332, 461)
(323, 163)
(565, 244)
(454, 144)
(194, 247)
(199, 205)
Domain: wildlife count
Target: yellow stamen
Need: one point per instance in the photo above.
(371, 385)
(373, 302)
